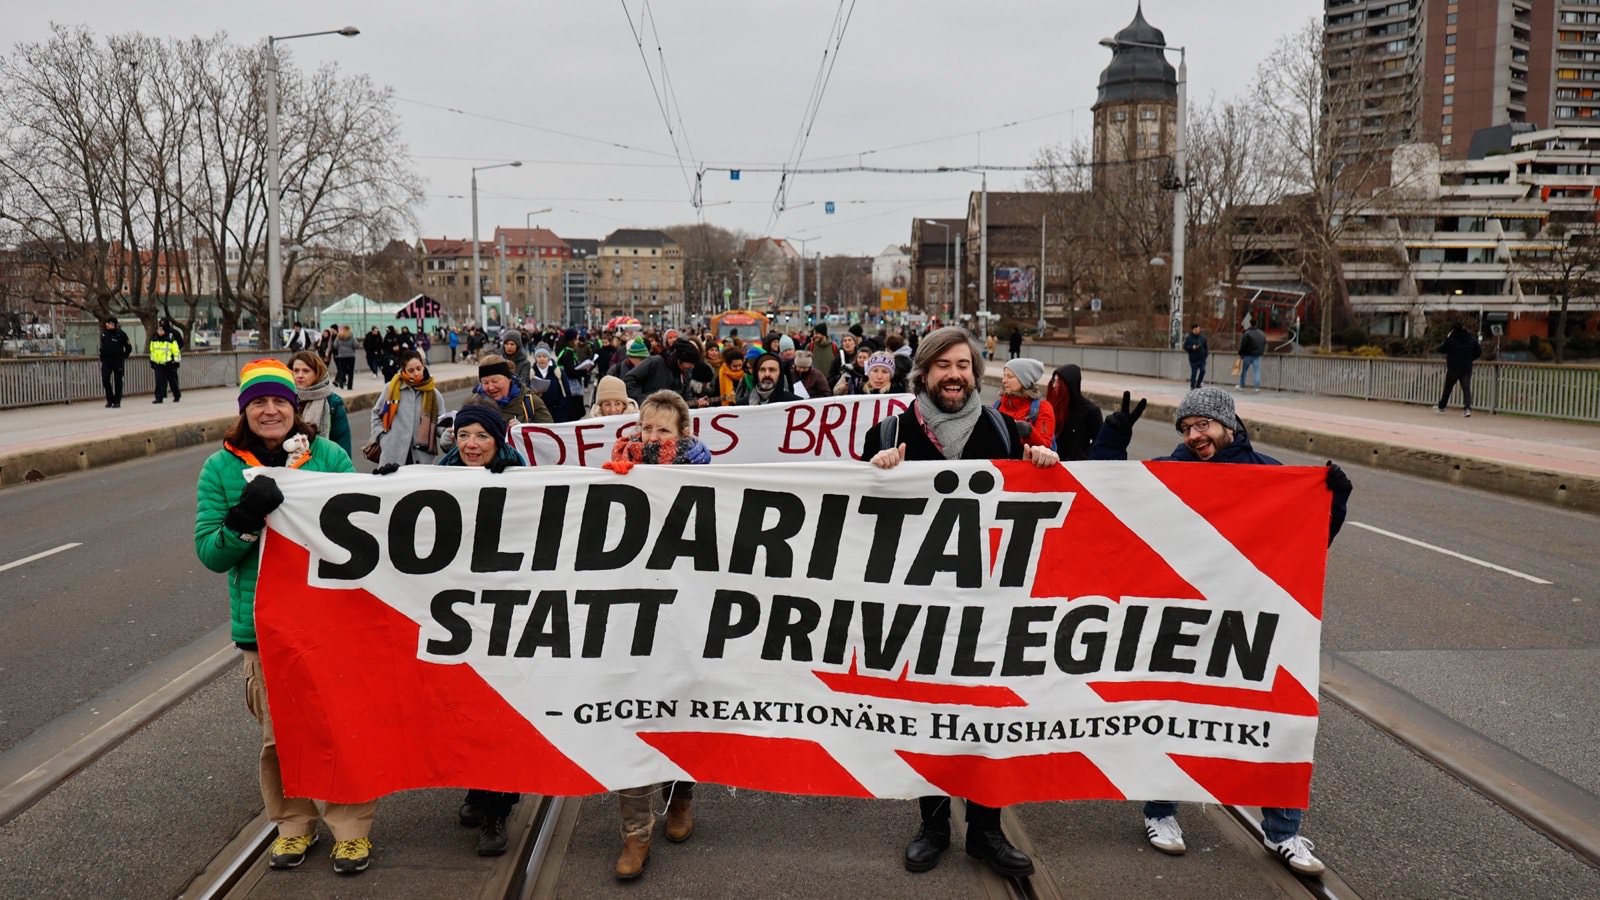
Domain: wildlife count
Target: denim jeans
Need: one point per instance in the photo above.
(1197, 374)
(1279, 824)
(1250, 362)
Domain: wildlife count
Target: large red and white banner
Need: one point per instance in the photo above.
(988, 630)
(827, 428)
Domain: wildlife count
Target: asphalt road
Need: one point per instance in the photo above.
(1510, 658)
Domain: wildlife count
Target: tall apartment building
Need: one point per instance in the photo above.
(1441, 70)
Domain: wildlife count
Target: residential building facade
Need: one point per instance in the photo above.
(640, 275)
(1485, 237)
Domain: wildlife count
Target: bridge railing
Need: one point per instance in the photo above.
(1532, 389)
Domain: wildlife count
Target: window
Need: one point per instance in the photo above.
(1450, 79)
(1120, 115)
(1449, 118)
(1449, 59)
(1148, 115)
(1450, 19)
(1449, 99)
(1449, 40)
(1445, 140)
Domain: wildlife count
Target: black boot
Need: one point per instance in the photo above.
(993, 848)
(492, 839)
(932, 839)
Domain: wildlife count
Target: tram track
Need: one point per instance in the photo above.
(1563, 811)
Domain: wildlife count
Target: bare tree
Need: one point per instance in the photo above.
(1570, 269)
(1235, 172)
(709, 253)
(1317, 103)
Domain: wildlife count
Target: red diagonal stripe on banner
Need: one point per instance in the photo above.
(1100, 556)
(788, 765)
(902, 688)
(358, 716)
(1015, 779)
(1250, 783)
(1239, 502)
(1287, 695)
(994, 547)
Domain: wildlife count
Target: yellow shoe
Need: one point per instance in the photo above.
(352, 856)
(288, 852)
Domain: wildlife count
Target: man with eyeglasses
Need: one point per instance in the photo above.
(1212, 433)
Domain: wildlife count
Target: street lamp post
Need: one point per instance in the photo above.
(527, 251)
(477, 283)
(274, 190)
(1042, 220)
(947, 276)
(1180, 187)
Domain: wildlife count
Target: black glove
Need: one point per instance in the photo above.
(387, 469)
(1338, 481)
(499, 464)
(1123, 419)
(259, 498)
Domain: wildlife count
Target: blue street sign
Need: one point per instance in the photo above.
(733, 174)
(828, 207)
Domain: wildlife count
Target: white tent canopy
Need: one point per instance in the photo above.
(362, 313)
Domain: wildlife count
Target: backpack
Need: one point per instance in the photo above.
(889, 429)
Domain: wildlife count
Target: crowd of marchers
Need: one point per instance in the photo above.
(287, 419)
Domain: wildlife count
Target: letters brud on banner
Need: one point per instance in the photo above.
(823, 429)
(991, 630)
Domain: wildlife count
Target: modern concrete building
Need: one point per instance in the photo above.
(1441, 70)
(1484, 237)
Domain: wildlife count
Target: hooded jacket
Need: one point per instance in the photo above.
(1078, 420)
(1460, 348)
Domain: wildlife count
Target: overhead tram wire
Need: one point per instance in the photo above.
(515, 124)
(655, 90)
(813, 105)
(950, 137)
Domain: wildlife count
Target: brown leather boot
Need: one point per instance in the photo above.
(635, 853)
(680, 817)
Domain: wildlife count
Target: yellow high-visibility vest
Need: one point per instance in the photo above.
(164, 351)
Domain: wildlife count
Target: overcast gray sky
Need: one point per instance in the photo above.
(923, 72)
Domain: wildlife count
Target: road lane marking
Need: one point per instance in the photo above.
(1461, 556)
(28, 559)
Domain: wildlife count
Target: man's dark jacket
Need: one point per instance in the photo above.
(1460, 348)
(986, 442)
(654, 374)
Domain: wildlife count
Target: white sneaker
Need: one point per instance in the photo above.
(1296, 854)
(1165, 835)
(1438, 410)
(1467, 414)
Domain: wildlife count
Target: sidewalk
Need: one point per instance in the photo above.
(41, 441)
(1539, 459)
(1549, 461)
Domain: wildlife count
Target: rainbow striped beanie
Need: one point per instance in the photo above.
(266, 378)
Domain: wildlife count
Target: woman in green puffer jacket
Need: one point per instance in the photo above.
(230, 516)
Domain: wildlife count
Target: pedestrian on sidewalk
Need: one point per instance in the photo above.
(372, 346)
(319, 407)
(1252, 346)
(1197, 348)
(344, 358)
(454, 340)
(664, 435)
(948, 421)
(1460, 348)
(230, 516)
(164, 359)
(1211, 432)
(115, 348)
(1016, 342)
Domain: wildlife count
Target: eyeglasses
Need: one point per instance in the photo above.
(1199, 425)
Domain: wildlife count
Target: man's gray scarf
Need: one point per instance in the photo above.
(951, 429)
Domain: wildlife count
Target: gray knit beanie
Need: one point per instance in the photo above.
(1211, 402)
(1028, 371)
